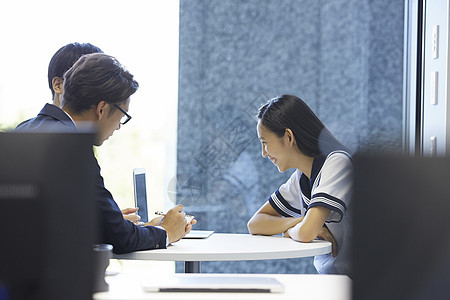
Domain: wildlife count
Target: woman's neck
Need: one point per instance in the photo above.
(304, 163)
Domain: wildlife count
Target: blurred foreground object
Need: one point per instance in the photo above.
(46, 215)
(401, 230)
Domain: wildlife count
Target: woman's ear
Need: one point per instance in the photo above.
(289, 136)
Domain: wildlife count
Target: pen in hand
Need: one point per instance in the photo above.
(188, 218)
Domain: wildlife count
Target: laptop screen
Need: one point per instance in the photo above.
(140, 193)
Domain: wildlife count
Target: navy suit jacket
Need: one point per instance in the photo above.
(114, 229)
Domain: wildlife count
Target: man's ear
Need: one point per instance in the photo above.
(101, 110)
(57, 85)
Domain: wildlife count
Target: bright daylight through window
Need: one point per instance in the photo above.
(143, 36)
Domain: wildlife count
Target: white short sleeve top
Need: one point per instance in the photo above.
(330, 186)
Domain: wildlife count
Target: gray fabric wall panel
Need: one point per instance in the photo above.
(235, 55)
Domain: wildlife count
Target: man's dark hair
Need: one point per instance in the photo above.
(96, 77)
(65, 57)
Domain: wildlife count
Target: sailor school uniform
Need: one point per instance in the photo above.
(330, 186)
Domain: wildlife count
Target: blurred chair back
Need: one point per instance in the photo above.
(401, 236)
(46, 215)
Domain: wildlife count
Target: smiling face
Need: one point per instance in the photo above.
(274, 147)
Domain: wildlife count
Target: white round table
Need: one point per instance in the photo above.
(230, 246)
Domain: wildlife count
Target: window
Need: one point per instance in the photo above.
(142, 35)
(343, 58)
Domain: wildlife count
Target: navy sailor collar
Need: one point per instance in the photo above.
(305, 183)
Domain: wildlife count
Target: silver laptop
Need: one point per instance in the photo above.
(140, 200)
(140, 194)
(214, 284)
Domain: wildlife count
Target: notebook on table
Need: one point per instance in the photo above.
(198, 234)
(214, 284)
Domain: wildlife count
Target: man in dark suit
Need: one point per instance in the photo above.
(97, 90)
(61, 61)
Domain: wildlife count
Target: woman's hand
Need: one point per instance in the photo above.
(286, 233)
(267, 221)
(325, 234)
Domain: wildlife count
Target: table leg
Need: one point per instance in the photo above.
(191, 267)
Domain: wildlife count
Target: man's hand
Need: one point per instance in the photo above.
(175, 224)
(130, 214)
(157, 221)
(326, 235)
(189, 226)
(154, 222)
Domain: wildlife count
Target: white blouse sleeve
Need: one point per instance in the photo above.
(333, 187)
(287, 199)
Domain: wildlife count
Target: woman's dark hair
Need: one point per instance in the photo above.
(96, 77)
(65, 57)
(312, 137)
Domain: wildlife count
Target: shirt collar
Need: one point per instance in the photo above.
(70, 117)
(316, 167)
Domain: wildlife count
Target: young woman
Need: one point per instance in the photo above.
(316, 198)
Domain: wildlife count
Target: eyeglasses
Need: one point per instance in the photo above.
(126, 117)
